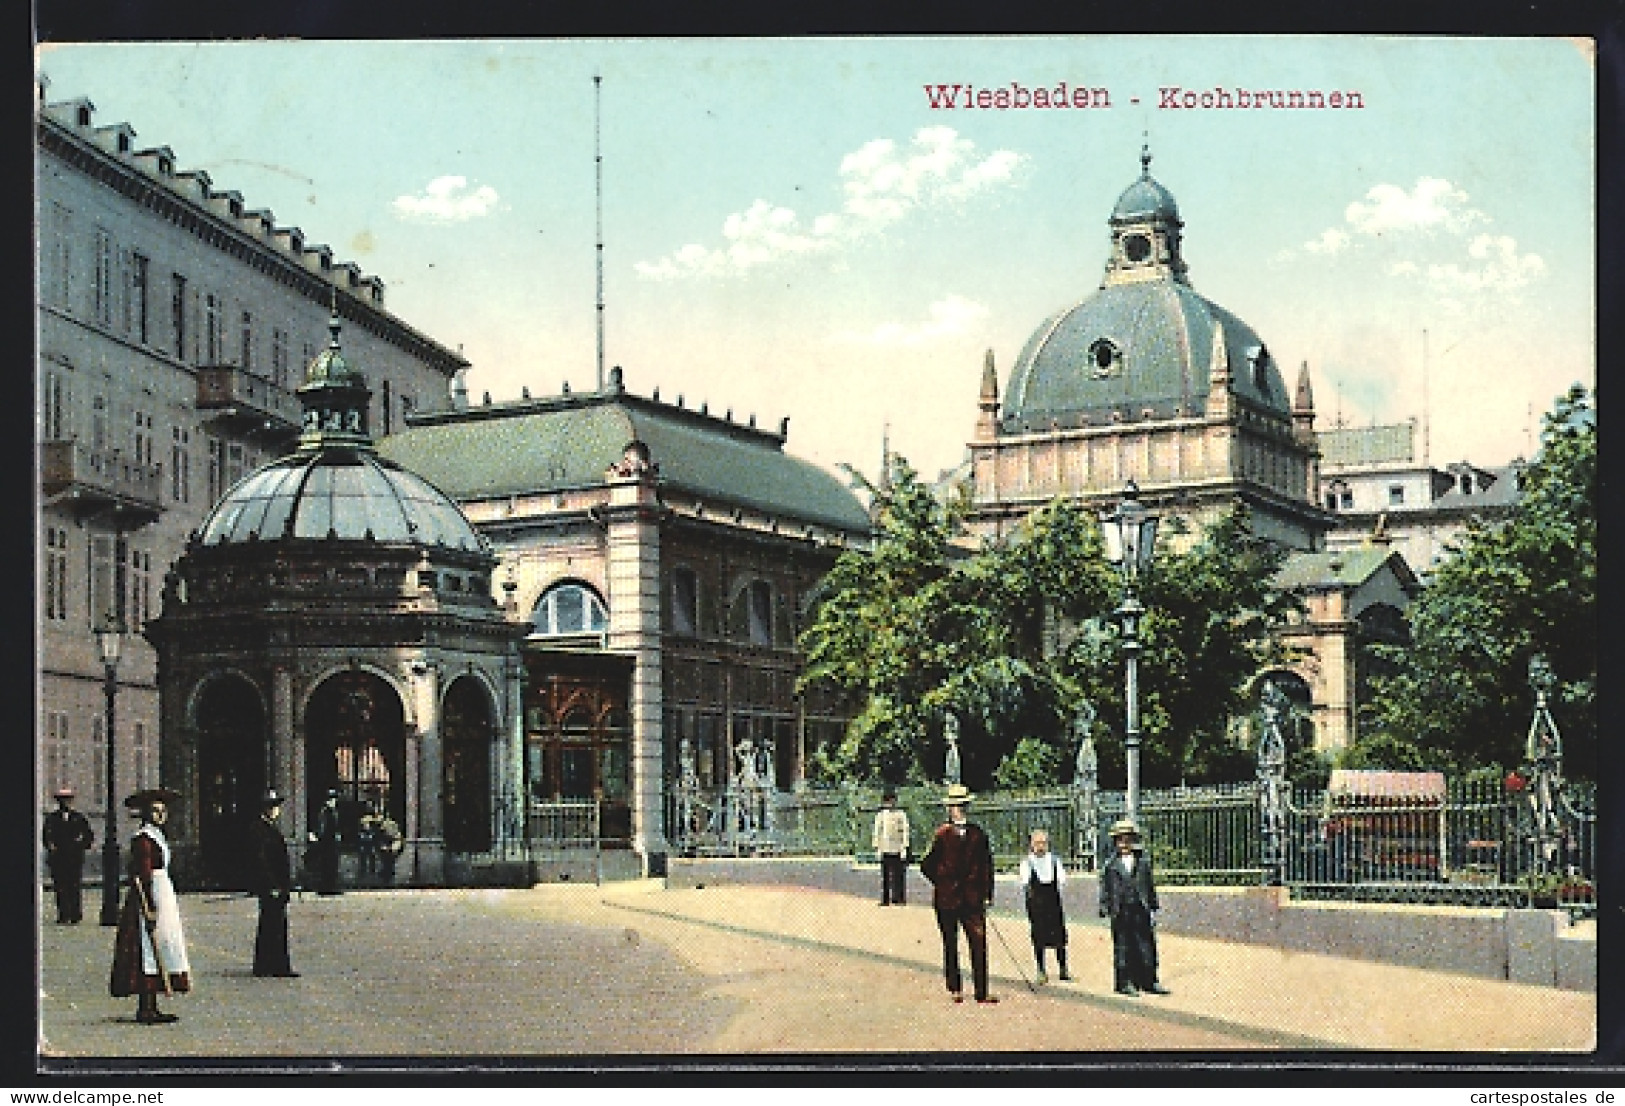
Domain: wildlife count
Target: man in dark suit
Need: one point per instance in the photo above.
(959, 865)
(1128, 896)
(67, 836)
(270, 878)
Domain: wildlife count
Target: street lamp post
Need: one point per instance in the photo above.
(109, 640)
(1130, 532)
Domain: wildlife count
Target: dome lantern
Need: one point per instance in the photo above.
(335, 398)
(1145, 228)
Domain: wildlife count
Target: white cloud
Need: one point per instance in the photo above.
(1330, 241)
(1495, 265)
(948, 318)
(882, 184)
(446, 200)
(1434, 204)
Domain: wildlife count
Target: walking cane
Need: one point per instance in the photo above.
(152, 934)
(1008, 950)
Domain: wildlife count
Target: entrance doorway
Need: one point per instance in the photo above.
(578, 736)
(355, 742)
(231, 777)
(467, 728)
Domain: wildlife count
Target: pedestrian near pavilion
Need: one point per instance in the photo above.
(959, 866)
(324, 848)
(149, 947)
(1042, 876)
(67, 836)
(271, 880)
(1128, 896)
(890, 842)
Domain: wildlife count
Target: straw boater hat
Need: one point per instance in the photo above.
(63, 793)
(141, 800)
(1124, 827)
(272, 798)
(958, 795)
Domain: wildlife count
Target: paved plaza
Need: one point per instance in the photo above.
(634, 969)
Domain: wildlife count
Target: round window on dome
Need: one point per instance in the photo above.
(1137, 247)
(1107, 357)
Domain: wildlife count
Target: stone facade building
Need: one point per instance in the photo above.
(173, 324)
(662, 560)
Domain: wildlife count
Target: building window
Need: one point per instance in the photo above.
(236, 463)
(217, 468)
(55, 428)
(685, 602)
(56, 574)
(103, 605)
(61, 284)
(569, 609)
(140, 602)
(180, 465)
(98, 427)
(1396, 495)
(211, 330)
(143, 756)
(388, 407)
(1107, 358)
(98, 755)
(177, 313)
(279, 358)
(143, 439)
(57, 769)
(248, 342)
(102, 290)
(138, 296)
(761, 613)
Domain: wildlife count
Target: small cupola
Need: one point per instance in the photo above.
(1145, 227)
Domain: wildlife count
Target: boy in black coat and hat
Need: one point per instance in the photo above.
(1128, 896)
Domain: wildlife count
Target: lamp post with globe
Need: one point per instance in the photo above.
(109, 641)
(1130, 533)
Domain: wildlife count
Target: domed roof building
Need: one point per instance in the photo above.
(330, 627)
(1145, 379)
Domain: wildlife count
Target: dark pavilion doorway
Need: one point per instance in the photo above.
(467, 728)
(355, 744)
(231, 729)
(578, 735)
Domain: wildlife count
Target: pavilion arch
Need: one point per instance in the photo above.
(354, 722)
(469, 727)
(227, 711)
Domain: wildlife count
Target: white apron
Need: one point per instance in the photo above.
(167, 932)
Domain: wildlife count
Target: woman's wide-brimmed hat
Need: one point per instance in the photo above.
(1124, 827)
(141, 800)
(958, 795)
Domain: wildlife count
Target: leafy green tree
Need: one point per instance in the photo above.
(1033, 764)
(1460, 695)
(1012, 638)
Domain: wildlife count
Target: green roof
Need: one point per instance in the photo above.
(1352, 567)
(566, 442)
(1368, 445)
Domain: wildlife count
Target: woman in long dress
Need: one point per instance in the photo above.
(149, 950)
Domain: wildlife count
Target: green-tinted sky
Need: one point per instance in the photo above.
(791, 229)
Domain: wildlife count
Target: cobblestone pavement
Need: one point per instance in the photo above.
(632, 969)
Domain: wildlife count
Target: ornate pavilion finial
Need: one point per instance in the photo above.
(1145, 154)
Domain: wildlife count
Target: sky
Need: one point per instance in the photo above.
(791, 228)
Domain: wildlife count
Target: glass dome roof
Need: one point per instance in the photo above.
(338, 494)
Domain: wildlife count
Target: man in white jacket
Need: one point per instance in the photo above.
(890, 841)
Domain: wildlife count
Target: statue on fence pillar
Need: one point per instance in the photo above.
(1544, 753)
(744, 787)
(1086, 786)
(1272, 781)
(688, 790)
(950, 759)
(761, 804)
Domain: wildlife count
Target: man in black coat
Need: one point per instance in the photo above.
(1128, 896)
(67, 836)
(270, 877)
(959, 865)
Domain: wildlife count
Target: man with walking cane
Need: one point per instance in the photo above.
(959, 866)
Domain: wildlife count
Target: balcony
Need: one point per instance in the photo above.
(247, 406)
(98, 482)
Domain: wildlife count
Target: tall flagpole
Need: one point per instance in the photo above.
(598, 167)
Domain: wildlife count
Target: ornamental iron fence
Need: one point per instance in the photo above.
(1401, 837)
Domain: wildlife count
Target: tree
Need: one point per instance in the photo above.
(1011, 639)
(1460, 695)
